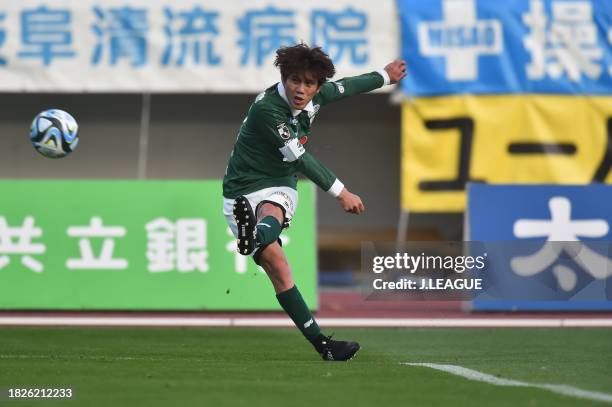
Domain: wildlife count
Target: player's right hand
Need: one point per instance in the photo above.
(350, 202)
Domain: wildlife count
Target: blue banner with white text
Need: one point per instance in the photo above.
(510, 46)
(571, 267)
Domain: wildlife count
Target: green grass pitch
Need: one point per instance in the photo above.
(276, 367)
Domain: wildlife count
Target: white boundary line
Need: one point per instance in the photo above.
(497, 381)
(163, 321)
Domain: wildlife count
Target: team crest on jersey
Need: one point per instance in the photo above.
(283, 131)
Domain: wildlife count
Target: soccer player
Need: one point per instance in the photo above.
(259, 187)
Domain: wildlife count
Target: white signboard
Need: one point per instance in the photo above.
(182, 45)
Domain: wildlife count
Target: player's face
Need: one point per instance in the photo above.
(301, 88)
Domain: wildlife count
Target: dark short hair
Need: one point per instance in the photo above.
(301, 58)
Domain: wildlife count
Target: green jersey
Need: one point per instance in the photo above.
(259, 160)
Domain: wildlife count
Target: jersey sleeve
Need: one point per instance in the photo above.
(318, 173)
(267, 124)
(345, 87)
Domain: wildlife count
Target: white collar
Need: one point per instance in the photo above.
(281, 91)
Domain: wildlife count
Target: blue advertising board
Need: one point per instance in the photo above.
(551, 245)
(511, 46)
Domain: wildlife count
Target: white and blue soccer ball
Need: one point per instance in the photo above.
(54, 133)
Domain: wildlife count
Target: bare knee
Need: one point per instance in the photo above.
(275, 264)
(269, 209)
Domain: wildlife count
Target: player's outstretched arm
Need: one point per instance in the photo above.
(334, 91)
(350, 202)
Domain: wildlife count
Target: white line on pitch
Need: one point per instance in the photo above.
(497, 381)
(42, 320)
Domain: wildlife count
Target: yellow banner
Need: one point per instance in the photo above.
(527, 139)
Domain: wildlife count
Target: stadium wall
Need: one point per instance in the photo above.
(191, 137)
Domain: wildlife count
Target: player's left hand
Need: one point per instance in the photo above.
(350, 202)
(396, 70)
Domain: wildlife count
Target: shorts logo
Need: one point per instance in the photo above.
(284, 200)
(283, 131)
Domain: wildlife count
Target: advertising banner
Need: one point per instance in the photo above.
(517, 92)
(571, 266)
(184, 45)
(510, 46)
(501, 139)
(137, 245)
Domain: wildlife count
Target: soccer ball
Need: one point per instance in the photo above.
(54, 133)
